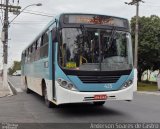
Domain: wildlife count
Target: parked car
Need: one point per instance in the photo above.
(17, 73)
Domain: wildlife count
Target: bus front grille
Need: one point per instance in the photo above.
(99, 79)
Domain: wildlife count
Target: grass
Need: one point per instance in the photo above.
(147, 86)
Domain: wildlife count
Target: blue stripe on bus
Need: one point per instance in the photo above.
(100, 86)
(93, 86)
(37, 69)
(97, 86)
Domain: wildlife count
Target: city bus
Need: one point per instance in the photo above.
(80, 58)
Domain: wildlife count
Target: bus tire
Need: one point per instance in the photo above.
(48, 103)
(28, 91)
(101, 103)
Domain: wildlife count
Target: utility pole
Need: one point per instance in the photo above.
(136, 2)
(136, 37)
(5, 45)
(7, 8)
(15, 10)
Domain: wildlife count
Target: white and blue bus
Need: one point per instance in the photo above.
(80, 58)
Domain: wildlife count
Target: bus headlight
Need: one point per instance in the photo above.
(66, 84)
(127, 84)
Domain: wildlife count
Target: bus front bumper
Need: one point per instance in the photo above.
(67, 96)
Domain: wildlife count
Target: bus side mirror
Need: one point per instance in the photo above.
(54, 36)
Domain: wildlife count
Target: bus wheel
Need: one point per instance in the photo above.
(47, 102)
(26, 86)
(101, 103)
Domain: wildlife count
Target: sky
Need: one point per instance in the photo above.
(27, 26)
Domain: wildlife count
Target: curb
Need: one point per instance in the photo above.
(7, 91)
(8, 95)
(14, 91)
(149, 93)
(4, 96)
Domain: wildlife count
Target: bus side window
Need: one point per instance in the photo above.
(25, 54)
(33, 52)
(37, 48)
(28, 53)
(38, 43)
(25, 57)
(44, 38)
(35, 45)
(54, 35)
(44, 45)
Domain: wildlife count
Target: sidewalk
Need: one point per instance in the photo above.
(3, 91)
(149, 92)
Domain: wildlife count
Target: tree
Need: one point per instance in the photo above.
(149, 43)
(16, 66)
(10, 71)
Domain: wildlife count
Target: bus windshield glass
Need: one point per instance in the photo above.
(89, 49)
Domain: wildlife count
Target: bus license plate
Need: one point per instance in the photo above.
(100, 97)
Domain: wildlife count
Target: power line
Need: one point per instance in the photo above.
(28, 23)
(150, 5)
(37, 14)
(40, 12)
(33, 21)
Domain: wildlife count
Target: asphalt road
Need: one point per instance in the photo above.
(30, 108)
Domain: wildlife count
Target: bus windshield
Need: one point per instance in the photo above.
(89, 49)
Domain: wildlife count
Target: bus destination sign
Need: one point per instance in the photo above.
(96, 19)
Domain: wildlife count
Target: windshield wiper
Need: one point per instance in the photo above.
(100, 50)
(113, 32)
(84, 36)
(83, 29)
